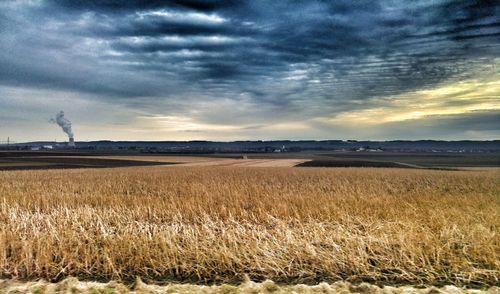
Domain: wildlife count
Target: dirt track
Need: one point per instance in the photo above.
(72, 285)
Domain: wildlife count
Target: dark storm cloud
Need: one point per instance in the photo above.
(300, 58)
(114, 5)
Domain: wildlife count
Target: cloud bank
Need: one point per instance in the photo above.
(254, 69)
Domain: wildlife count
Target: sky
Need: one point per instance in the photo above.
(250, 70)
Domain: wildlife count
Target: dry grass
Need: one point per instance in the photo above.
(215, 224)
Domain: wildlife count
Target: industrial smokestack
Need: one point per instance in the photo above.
(65, 124)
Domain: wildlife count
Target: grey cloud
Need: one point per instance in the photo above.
(118, 5)
(298, 59)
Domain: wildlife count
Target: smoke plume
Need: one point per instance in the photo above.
(64, 123)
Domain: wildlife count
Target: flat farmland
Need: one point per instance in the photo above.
(71, 160)
(25, 160)
(225, 224)
(429, 160)
(67, 162)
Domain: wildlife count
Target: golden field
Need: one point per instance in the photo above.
(221, 224)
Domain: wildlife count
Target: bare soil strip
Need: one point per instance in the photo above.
(61, 162)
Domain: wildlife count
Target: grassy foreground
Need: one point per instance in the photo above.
(213, 224)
